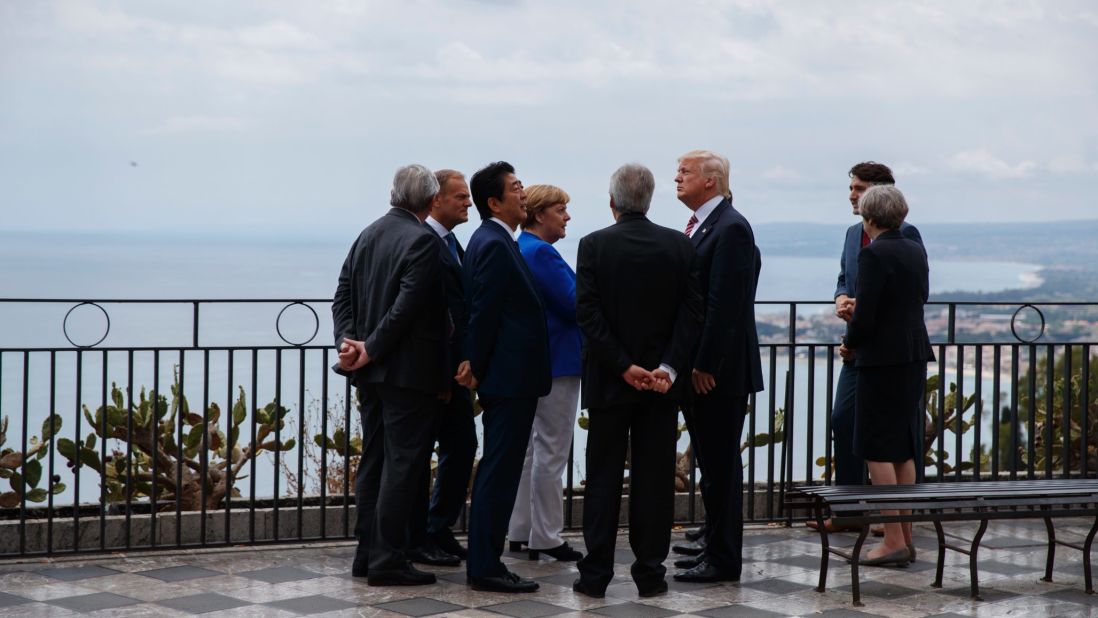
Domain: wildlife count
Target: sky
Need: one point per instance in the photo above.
(287, 119)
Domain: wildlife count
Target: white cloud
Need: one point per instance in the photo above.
(566, 90)
(779, 172)
(279, 35)
(907, 168)
(1071, 164)
(193, 124)
(984, 163)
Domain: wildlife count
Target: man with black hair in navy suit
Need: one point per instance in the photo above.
(507, 352)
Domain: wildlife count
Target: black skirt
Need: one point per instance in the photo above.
(887, 411)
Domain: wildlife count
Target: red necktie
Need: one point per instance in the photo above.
(690, 224)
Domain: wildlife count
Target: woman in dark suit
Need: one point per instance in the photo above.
(887, 337)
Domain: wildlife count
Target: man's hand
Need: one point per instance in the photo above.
(846, 353)
(844, 307)
(465, 377)
(638, 377)
(352, 355)
(703, 382)
(661, 381)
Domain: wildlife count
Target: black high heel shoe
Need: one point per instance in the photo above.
(516, 546)
(561, 553)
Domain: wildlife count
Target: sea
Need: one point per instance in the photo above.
(68, 269)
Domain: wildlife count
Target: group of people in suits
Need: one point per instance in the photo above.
(420, 322)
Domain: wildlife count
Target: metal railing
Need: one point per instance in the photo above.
(158, 473)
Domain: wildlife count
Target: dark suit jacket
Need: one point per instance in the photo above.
(507, 343)
(638, 303)
(893, 285)
(390, 296)
(729, 264)
(453, 283)
(848, 262)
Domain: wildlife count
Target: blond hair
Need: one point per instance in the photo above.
(711, 165)
(540, 197)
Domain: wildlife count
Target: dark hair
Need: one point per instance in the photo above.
(873, 173)
(488, 183)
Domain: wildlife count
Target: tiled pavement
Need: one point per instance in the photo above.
(780, 572)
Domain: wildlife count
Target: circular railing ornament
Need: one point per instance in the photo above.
(316, 324)
(1014, 319)
(65, 324)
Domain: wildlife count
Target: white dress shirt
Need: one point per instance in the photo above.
(439, 228)
(703, 212)
(506, 227)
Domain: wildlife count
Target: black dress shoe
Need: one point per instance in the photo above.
(706, 573)
(695, 534)
(689, 563)
(693, 548)
(582, 588)
(444, 540)
(409, 576)
(516, 545)
(508, 582)
(562, 553)
(653, 591)
(429, 554)
(360, 568)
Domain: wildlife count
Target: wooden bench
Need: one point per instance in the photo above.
(861, 505)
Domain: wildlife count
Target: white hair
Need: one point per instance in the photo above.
(413, 187)
(884, 205)
(631, 188)
(711, 165)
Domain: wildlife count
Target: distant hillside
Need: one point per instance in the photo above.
(1059, 243)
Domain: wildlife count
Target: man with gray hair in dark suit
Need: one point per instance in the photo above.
(390, 322)
(637, 356)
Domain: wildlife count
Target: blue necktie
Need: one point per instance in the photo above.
(452, 243)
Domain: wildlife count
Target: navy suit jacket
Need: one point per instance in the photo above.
(453, 282)
(556, 281)
(888, 327)
(729, 264)
(390, 296)
(508, 342)
(848, 261)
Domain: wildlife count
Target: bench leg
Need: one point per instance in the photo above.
(856, 556)
(941, 554)
(1051, 550)
(973, 550)
(1086, 556)
(825, 544)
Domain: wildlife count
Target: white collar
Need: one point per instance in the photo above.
(504, 226)
(439, 228)
(706, 209)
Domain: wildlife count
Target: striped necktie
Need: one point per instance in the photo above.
(690, 224)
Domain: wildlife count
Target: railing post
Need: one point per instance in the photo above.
(194, 325)
(952, 334)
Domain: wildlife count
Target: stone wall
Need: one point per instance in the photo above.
(57, 538)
